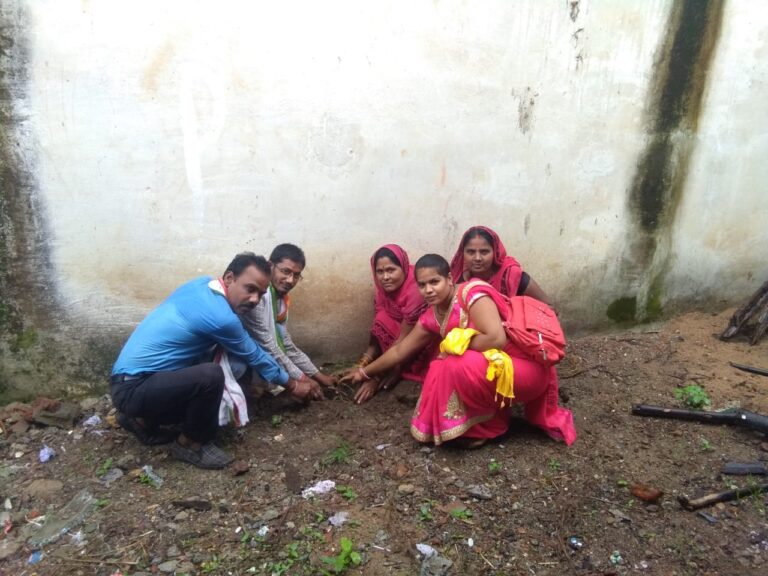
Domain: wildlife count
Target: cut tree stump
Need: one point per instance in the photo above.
(755, 309)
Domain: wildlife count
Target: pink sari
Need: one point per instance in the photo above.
(393, 308)
(508, 272)
(457, 399)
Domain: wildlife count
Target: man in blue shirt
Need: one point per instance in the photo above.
(164, 374)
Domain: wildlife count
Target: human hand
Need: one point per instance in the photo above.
(304, 390)
(325, 379)
(353, 376)
(391, 379)
(367, 390)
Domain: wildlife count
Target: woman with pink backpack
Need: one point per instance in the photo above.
(482, 367)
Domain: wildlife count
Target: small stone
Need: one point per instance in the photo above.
(168, 567)
(239, 467)
(401, 471)
(172, 552)
(764, 446)
(186, 568)
(181, 516)
(8, 548)
(270, 514)
(517, 506)
(20, 427)
(87, 404)
(381, 537)
(127, 462)
(290, 525)
(480, 491)
(406, 488)
(43, 488)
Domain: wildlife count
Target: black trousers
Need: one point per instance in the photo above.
(190, 396)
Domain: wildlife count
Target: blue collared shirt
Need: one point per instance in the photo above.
(183, 331)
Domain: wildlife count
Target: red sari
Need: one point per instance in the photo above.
(508, 272)
(458, 400)
(393, 308)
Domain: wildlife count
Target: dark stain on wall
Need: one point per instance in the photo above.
(28, 301)
(675, 100)
(24, 256)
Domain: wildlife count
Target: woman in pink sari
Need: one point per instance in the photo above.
(482, 255)
(397, 305)
(469, 387)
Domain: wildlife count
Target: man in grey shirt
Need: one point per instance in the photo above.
(267, 321)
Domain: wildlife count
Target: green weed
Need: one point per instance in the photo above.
(461, 513)
(210, 565)
(425, 511)
(104, 468)
(342, 454)
(346, 558)
(494, 467)
(692, 396)
(554, 465)
(346, 492)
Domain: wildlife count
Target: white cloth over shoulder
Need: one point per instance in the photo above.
(233, 405)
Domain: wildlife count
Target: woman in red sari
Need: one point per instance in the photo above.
(482, 255)
(397, 305)
(469, 387)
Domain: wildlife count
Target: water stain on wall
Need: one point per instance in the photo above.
(526, 101)
(159, 64)
(24, 251)
(29, 357)
(675, 101)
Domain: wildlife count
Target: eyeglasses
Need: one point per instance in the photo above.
(288, 272)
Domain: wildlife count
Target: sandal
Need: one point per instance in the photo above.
(209, 456)
(147, 436)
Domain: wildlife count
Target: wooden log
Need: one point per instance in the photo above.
(757, 305)
(727, 496)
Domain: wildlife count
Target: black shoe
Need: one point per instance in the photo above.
(209, 456)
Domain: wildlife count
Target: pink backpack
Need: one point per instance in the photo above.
(532, 326)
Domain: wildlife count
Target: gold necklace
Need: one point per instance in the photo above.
(442, 318)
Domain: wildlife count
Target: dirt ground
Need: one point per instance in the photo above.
(521, 505)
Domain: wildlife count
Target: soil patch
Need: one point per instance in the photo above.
(521, 505)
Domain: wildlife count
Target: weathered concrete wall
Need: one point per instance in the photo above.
(617, 147)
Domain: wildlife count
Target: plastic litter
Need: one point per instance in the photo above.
(575, 543)
(94, 420)
(321, 487)
(426, 550)
(60, 522)
(153, 476)
(470, 542)
(382, 446)
(7, 504)
(46, 453)
(111, 475)
(35, 557)
(262, 531)
(338, 519)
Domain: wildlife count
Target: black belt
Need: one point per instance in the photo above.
(120, 378)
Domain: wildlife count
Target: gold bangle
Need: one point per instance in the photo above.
(364, 361)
